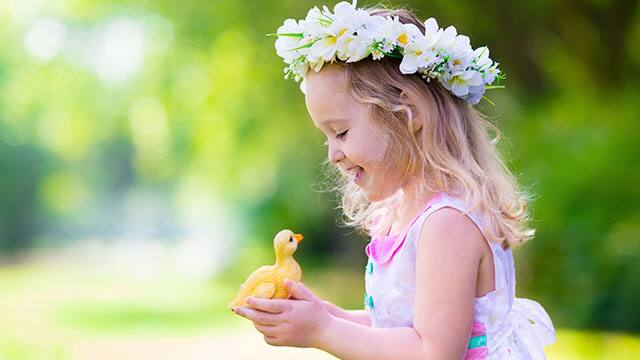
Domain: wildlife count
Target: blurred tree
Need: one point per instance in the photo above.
(167, 119)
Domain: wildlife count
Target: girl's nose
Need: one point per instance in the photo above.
(335, 154)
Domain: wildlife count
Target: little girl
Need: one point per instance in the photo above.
(420, 175)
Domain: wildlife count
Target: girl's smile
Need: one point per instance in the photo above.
(353, 145)
(359, 175)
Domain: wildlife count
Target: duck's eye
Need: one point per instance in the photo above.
(290, 239)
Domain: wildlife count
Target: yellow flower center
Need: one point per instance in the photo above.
(403, 39)
(342, 32)
(456, 62)
(419, 52)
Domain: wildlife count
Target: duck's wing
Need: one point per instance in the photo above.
(264, 290)
(253, 285)
(260, 274)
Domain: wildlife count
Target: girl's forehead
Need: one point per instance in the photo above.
(330, 122)
(331, 109)
(327, 94)
(329, 82)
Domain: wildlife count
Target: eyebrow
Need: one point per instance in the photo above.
(334, 120)
(330, 121)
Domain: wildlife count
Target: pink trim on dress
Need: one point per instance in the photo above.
(383, 248)
(479, 353)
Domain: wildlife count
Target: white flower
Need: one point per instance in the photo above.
(367, 35)
(475, 94)
(391, 33)
(350, 34)
(459, 84)
(315, 21)
(333, 38)
(302, 68)
(491, 74)
(447, 38)
(354, 48)
(460, 55)
(323, 49)
(285, 44)
(423, 52)
(432, 33)
(418, 54)
(348, 20)
(481, 57)
(348, 16)
(485, 64)
(445, 42)
(411, 31)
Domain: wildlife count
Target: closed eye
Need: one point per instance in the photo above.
(338, 136)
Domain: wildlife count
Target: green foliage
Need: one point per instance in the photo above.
(193, 130)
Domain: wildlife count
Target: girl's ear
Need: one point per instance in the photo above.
(416, 113)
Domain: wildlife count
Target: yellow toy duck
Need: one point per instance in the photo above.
(268, 281)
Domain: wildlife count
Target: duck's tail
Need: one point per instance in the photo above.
(240, 300)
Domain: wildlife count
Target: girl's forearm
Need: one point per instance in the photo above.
(357, 316)
(352, 341)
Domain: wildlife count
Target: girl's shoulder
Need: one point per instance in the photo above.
(451, 218)
(445, 200)
(381, 217)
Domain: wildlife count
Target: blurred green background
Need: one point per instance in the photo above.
(150, 150)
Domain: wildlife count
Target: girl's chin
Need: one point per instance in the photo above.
(375, 193)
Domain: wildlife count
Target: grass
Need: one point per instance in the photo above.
(63, 308)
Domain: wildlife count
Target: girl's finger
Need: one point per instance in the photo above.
(299, 291)
(266, 330)
(257, 316)
(274, 306)
(272, 340)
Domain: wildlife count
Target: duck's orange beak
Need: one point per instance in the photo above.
(298, 237)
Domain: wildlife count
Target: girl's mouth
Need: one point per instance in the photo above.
(359, 174)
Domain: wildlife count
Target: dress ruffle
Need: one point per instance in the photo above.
(531, 330)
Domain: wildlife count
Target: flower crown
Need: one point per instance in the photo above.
(351, 34)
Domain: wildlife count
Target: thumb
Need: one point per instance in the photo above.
(299, 291)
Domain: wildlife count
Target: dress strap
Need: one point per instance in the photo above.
(459, 205)
(382, 248)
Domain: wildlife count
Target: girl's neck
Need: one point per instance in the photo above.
(409, 206)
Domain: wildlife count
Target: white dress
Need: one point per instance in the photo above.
(504, 327)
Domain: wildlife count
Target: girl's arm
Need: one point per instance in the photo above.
(356, 316)
(448, 255)
(351, 341)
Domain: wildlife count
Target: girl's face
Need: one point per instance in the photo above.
(353, 145)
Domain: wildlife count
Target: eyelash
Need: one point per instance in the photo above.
(339, 136)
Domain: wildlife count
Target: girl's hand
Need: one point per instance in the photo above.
(298, 322)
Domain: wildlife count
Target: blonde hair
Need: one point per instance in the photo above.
(453, 152)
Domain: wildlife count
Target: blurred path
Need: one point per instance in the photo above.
(233, 344)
